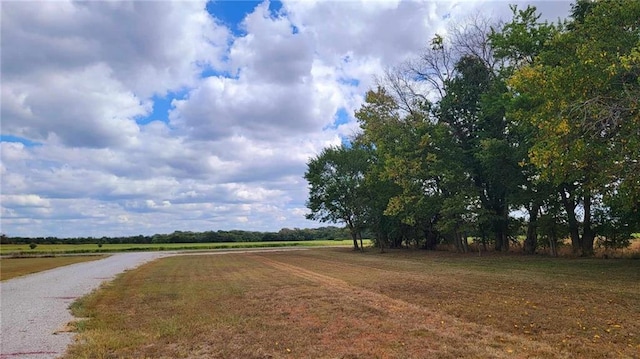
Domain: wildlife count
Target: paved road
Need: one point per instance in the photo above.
(34, 307)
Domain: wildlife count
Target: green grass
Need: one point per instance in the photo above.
(15, 267)
(23, 249)
(336, 303)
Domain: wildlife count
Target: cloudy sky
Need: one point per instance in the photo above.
(143, 117)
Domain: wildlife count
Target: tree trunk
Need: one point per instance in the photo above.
(570, 207)
(382, 239)
(360, 238)
(457, 239)
(553, 250)
(502, 240)
(465, 243)
(531, 242)
(500, 227)
(588, 234)
(505, 229)
(431, 239)
(498, 244)
(354, 236)
(505, 239)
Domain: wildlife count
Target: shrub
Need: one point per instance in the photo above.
(32, 245)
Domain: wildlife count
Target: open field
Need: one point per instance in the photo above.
(15, 267)
(336, 303)
(23, 249)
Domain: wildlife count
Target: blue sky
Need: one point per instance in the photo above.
(139, 117)
(229, 13)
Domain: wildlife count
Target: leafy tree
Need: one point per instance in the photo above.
(519, 41)
(405, 148)
(583, 89)
(474, 111)
(530, 116)
(378, 190)
(517, 44)
(336, 188)
(452, 159)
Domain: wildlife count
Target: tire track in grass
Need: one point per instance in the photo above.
(448, 330)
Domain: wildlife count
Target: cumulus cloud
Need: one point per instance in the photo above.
(84, 108)
(82, 72)
(150, 46)
(81, 80)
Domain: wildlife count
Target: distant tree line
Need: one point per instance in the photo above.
(285, 234)
(496, 130)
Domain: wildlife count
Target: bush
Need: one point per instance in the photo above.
(33, 245)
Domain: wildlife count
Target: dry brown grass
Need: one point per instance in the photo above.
(334, 303)
(15, 267)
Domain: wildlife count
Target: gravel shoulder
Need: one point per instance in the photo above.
(34, 308)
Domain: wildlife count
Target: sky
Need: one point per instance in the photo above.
(122, 118)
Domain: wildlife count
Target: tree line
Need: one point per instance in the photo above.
(525, 131)
(285, 234)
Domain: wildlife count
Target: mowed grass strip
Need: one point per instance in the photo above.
(23, 249)
(335, 303)
(15, 267)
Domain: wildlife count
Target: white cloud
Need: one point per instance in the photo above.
(82, 72)
(271, 52)
(84, 108)
(151, 46)
(25, 200)
(77, 77)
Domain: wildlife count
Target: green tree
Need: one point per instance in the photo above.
(583, 90)
(517, 44)
(337, 191)
(452, 158)
(378, 190)
(473, 111)
(404, 147)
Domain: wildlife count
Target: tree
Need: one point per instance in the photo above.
(531, 116)
(336, 188)
(452, 157)
(518, 43)
(406, 160)
(583, 93)
(465, 76)
(378, 190)
(474, 112)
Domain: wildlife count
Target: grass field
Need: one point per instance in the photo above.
(23, 249)
(15, 267)
(336, 303)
